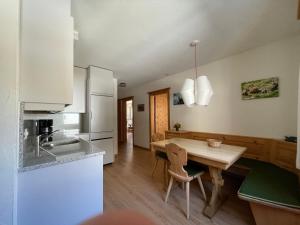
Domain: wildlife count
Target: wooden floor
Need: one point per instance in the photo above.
(128, 185)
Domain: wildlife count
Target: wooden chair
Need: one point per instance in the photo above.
(181, 171)
(159, 155)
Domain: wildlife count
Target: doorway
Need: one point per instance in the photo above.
(159, 111)
(126, 120)
(129, 121)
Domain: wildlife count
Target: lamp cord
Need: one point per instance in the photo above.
(196, 61)
(196, 70)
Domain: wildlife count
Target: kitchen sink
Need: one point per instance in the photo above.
(64, 148)
(61, 142)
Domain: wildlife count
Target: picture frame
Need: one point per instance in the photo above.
(263, 88)
(141, 107)
(177, 99)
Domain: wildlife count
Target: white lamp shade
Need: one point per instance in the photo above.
(204, 91)
(187, 92)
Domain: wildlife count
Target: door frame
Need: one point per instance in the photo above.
(156, 92)
(122, 114)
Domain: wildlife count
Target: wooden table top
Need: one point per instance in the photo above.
(222, 157)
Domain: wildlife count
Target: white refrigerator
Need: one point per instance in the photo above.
(101, 111)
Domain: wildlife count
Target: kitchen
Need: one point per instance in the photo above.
(67, 121)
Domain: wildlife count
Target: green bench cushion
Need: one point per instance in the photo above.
(193, 168)
(270, 183)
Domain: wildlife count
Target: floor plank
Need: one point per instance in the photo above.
(128, 185)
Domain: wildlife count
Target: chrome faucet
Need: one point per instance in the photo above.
(41, 139)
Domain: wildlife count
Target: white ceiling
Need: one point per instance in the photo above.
(142, 40)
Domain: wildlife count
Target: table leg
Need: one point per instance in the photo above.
(216, 198)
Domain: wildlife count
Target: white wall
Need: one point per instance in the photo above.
(227, 113)
(9, 39)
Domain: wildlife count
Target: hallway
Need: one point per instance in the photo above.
(128, 185)
(129, 139)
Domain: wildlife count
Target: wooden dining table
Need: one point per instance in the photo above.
(217, 159)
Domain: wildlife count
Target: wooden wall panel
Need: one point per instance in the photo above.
(284, 154)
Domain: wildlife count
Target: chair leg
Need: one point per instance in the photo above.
(169, 189)
(164, 172)
(187, 200)
(167, 171)
(154, 167)
(201, 187)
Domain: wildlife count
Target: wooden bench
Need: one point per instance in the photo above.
(273, 193)
(272, 183)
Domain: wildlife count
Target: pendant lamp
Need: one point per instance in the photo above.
(188, 92)
(198, 91)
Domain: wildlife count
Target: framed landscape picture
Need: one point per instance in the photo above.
(264, 88)
(177, 99)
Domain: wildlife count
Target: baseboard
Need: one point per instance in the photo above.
(137, 146)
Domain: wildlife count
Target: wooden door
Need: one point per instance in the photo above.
(159, 111)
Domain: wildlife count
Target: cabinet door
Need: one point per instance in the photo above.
(79, 91)
(101, 113)
(100, 81)
(115, 116)
(67, 193)
(46, 74)
(107, 146)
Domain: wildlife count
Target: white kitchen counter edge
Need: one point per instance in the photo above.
(58, 162)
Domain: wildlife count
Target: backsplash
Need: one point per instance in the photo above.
(61, 121)
(69, 122)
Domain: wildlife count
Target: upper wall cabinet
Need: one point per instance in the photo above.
(79, 91)
(100, 81)
(46, 73)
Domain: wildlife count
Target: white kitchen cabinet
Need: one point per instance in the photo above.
(100, 81)
(106, 145)
(46, 72)
(64, 194)
(79, 91)
(115, 116)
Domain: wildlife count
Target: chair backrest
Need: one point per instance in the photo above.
(157, 137)
(178, 158)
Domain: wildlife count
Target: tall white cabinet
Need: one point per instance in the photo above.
(100, 81)
(115, 112)
(101, 110)
(46, 58)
